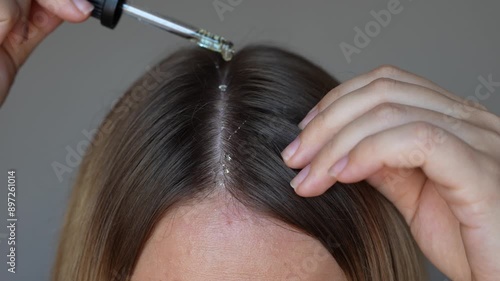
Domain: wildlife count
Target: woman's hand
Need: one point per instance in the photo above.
(434, 155)
(24, 24)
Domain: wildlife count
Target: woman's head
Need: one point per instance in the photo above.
(184, 181)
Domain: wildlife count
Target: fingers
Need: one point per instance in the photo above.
(349, 107)
(384, 117)
(24, 24)
(402, 187)
(21, 26)
(432, 154)
(69, 10)
(17, 47)
(14, 13)
(387, 116)
(385, 71)
(444, 158)
(466, 179)
(10, 12)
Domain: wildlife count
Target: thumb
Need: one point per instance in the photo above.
(68, 10)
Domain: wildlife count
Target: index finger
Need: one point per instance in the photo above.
(385, 71)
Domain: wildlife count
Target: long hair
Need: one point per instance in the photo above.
(201, 125)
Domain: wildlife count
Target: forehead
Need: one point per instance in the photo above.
(220, 240)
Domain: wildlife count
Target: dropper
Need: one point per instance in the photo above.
(110, 11)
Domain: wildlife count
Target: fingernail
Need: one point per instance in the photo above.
(300, 176)
(336, 169)
(290, 149)
(84, 6)
(310, 116)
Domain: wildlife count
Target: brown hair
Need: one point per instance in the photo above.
(166, 143)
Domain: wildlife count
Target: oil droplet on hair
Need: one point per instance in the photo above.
(223, 87)
(228, 157)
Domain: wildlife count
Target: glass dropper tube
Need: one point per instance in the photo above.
(201, 37)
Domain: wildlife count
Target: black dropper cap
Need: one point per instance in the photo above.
(108, 11)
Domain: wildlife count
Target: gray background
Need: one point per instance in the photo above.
(75, 76)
